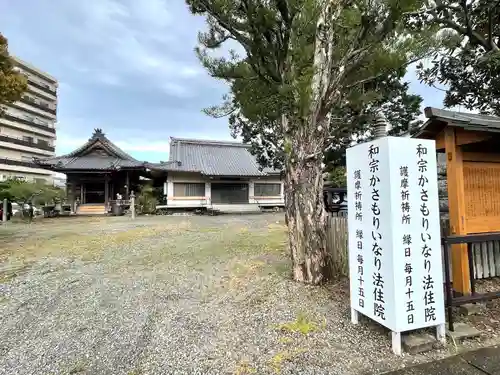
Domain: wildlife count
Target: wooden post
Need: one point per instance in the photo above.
(132, 204)
(106, 191)
(456, 201)
(5, 207)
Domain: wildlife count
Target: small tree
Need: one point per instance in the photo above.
(146, 199)
(304, 59)
(12, 84)
(24, 192)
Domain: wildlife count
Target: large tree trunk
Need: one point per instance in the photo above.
(306, 219)
(305, 140)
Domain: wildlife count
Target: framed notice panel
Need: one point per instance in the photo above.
(395, 263)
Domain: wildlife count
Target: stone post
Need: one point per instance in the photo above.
(132, 203)
(4, 211)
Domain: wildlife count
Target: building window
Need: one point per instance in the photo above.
(267, 190)
(43, 142)
(28, 139)
(189, 189)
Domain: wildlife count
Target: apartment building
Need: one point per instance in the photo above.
(27, 129)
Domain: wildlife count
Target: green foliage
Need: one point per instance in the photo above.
(355, 123)
(468, 65)
(281, 93)
(12, 84)
(337, 177)
(146, 199)
(35, 192)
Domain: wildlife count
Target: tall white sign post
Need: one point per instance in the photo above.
(395, 264)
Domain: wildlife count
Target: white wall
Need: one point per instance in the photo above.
(206, 200)
(278, 200)
(186, 202)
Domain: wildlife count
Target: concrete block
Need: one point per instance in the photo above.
(471, 309)
(462, 331)
(415, 343)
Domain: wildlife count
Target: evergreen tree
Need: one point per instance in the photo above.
(469, 64)
(304, 61)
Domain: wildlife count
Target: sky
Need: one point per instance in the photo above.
(127, 67)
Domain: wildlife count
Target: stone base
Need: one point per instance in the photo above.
(462, 331)
(415, 343)
(471, 309)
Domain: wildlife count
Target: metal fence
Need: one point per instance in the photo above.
(470, 240)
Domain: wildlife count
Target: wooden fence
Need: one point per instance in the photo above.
(486, 255)
(336, 242)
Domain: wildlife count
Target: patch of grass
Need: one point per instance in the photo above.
(243, 273)
(283, 268)
(279, 358)
(261, 241)
(244, 368)
(302, 325)
(75, 244)
(285, 340)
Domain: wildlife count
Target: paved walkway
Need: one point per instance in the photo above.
(479, 362)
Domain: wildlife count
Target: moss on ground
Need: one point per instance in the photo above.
(302, 324)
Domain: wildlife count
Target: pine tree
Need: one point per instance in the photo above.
(302, 61)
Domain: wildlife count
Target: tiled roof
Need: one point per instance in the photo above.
(99, 153)
(473, 119)
(90, 162)
(470, 121)
(214, 158)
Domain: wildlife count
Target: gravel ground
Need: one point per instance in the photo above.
(175, 295)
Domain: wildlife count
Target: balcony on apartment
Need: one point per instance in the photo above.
(40, 104)
(35, 80)
(18, 163)
(29, 123)
(41, 85)
(28, 141)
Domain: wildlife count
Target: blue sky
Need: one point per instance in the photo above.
(126, 66)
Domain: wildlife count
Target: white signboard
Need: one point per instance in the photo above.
(396, 272)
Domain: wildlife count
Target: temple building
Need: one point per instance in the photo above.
(199, 175)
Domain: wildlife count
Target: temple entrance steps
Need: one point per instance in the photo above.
(91, 209)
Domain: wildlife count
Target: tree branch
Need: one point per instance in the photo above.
(448, 21)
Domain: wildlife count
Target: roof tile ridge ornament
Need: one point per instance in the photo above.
(98, 134)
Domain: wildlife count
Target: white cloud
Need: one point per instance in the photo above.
(109, 78)
(176, 89)
(128, 32)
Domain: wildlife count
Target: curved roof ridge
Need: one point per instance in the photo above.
(208, 142)
(99, 136)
